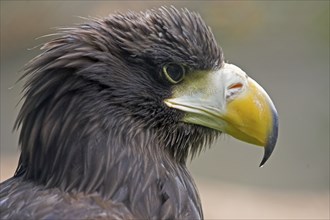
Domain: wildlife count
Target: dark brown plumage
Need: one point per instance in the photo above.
(97, 141)
(114, 107)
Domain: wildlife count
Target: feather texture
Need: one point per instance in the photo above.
(96, 139)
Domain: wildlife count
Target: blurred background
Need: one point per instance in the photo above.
(283, 45)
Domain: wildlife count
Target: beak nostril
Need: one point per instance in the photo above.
(236, 86)
(233, 90)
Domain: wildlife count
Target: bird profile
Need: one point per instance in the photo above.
(114, 107)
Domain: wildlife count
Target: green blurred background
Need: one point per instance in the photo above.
(284, 45)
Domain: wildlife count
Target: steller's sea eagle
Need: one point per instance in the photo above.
(115, 106)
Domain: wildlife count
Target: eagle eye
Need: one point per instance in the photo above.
(174, 72)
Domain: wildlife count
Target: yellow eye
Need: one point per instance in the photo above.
(174, 72)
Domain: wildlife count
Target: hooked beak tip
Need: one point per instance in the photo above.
(272, 138)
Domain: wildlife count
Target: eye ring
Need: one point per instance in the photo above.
(174, 72)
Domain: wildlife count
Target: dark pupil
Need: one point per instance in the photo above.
(175, 72)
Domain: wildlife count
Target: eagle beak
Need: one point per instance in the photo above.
(229, 101)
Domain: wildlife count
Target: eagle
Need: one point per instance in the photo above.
(113, 109)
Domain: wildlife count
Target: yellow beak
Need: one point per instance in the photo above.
(229, 101)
